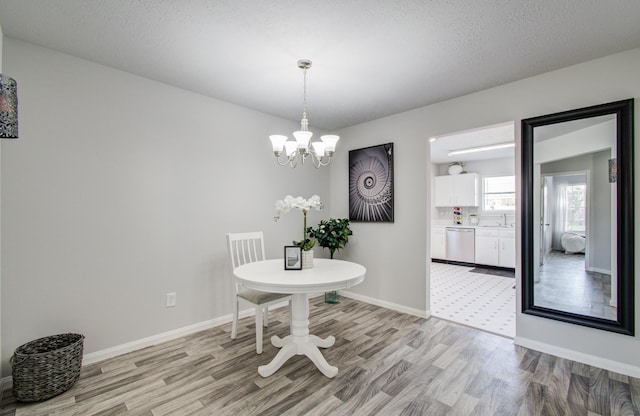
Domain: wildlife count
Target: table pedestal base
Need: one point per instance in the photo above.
(300, 342)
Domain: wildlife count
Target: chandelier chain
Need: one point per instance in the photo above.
(304, 95)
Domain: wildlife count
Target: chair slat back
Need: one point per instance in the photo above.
(245, 248)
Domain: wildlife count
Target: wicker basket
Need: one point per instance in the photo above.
(46, 367)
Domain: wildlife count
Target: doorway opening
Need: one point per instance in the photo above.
(476, 195)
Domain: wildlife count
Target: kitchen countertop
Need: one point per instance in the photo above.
(476, 226)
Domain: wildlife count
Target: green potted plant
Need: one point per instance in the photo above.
(332, 234)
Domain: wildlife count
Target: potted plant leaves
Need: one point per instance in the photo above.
(332, 234)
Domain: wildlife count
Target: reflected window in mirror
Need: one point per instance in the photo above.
(577, 216)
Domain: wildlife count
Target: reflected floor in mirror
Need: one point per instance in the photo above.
(484, 301)
(565, 285)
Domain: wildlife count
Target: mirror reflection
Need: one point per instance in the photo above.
(576, 196)
(572, 225)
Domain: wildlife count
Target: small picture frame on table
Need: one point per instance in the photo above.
(292, 258)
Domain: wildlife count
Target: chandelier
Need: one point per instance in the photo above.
(319, 151)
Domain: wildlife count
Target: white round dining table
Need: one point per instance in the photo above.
(325, 275)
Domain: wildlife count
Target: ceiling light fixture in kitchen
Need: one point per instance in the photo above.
(481, 149)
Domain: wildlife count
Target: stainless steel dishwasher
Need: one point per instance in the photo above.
(461, 244)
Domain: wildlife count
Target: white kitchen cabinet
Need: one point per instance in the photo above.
(496, 247)
(438, 242)
(443, 195)
(507, 248)
(456, 190)
(487, 246)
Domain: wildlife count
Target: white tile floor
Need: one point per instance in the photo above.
(478, 300)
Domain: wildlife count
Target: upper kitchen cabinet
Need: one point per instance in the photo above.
(457, 190)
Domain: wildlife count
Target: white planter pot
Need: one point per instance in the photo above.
(307, 259)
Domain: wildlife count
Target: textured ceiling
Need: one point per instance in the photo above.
(371, 58)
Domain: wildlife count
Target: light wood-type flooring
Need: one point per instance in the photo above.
(390, 364)
(565, 285)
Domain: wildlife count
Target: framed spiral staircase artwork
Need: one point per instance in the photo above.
(371, 184)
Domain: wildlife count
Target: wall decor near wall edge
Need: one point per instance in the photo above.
(371, 184)
(8, 107)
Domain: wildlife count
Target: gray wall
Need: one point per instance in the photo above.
(119, 190)
(395, 253)
(600, 257)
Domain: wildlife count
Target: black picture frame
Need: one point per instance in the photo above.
(292, 258)
(371, 184)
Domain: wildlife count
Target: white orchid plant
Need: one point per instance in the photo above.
(304, 205)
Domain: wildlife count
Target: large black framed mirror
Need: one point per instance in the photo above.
(577, 217)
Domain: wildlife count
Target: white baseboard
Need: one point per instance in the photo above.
(167, 336)
(389, 305)
(152, 340)
(190, 329)
(594, 361)
(598, 270)
(94, 357)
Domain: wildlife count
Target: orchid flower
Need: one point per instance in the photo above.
(304, 205)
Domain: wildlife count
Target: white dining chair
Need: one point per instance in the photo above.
(247, 248)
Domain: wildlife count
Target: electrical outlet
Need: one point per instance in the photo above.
(171, 300)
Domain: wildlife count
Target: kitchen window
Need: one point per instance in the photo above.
(499, 193)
